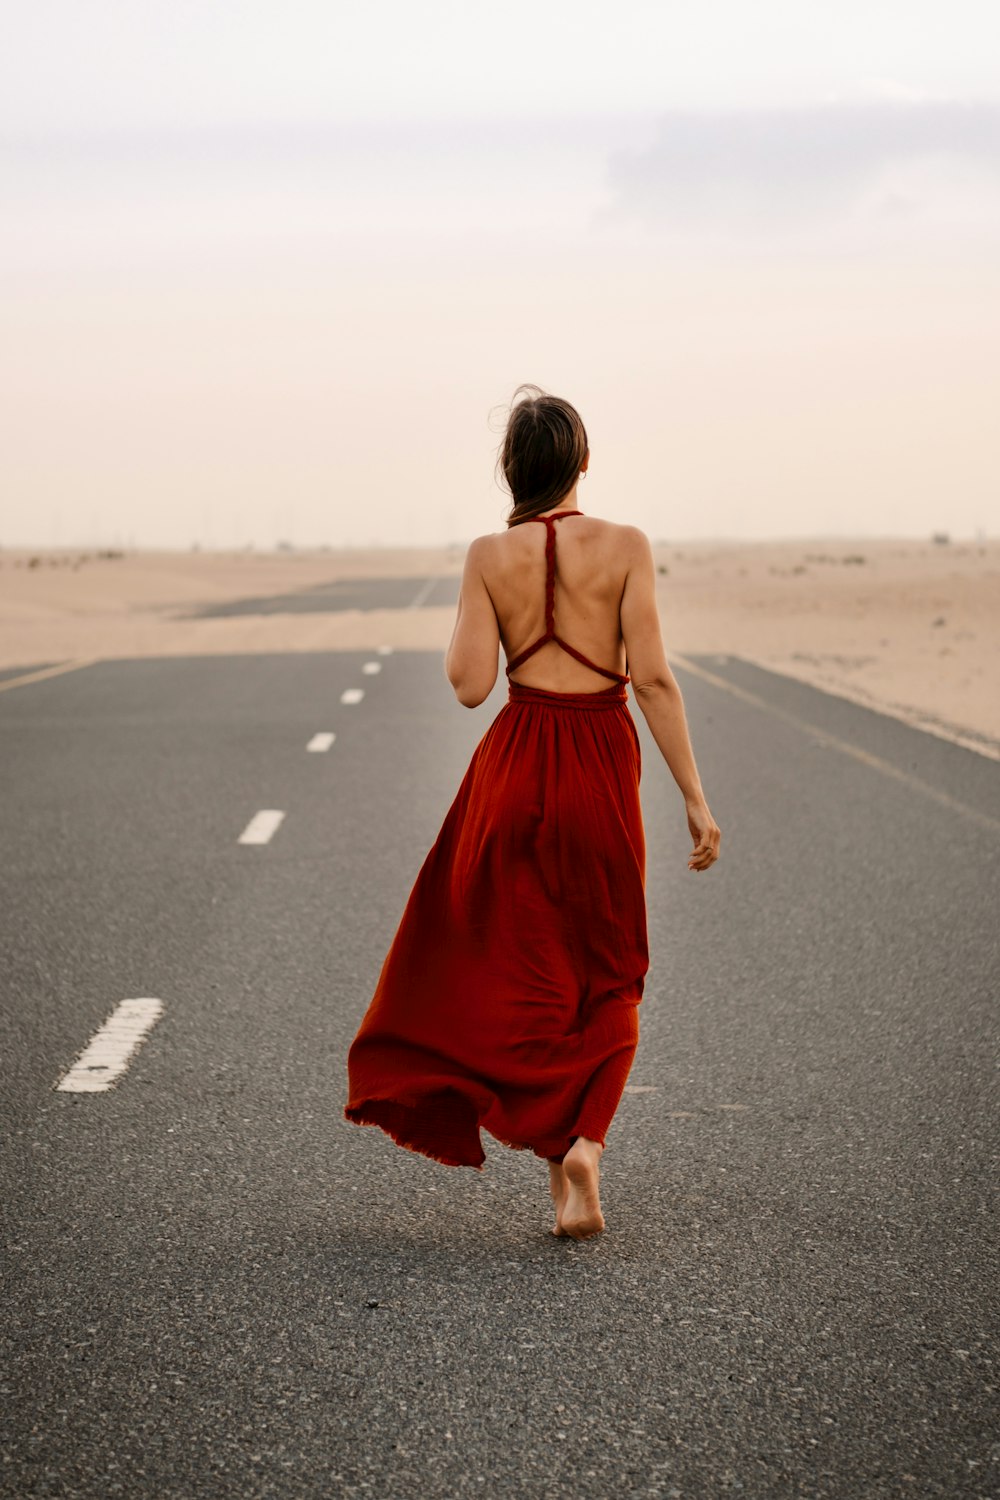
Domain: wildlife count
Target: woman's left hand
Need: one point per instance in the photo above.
(706, 834)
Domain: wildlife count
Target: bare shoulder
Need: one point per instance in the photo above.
(635, 539)
(629, 542)
(480, 549)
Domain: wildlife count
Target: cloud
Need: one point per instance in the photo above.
(779, 167)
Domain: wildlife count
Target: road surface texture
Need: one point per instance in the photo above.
(214, 1286)
(334, 598)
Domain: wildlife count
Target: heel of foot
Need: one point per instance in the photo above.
(582, 1216)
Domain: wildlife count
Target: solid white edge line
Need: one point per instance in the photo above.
(42, 673)
(110, 1049)
(261, 826)
(823, 737)
(914, 718)
(322, 740)
(352, 695)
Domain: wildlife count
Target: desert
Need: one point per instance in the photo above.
(909, 627)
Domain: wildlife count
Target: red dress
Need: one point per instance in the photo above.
(509, 997)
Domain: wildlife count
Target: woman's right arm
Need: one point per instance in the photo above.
(659, 697)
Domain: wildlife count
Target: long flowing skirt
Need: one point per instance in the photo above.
(509, 997)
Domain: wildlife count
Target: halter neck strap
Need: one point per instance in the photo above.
(556, 515)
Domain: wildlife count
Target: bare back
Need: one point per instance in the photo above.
(592, 562)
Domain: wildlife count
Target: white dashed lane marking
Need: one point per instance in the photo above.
(423, 593)
(110, 1049)
(385, 651)
(352, 695)
(321, 741)
(372, 668)
(261, 826)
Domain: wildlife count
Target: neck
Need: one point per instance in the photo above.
(568, 502)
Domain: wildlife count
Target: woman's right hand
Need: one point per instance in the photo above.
(705, 832)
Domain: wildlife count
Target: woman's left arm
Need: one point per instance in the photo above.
(472, 659)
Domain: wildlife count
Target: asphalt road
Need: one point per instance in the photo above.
(339, 595)
(214, 1286)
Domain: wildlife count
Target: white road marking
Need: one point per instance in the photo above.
(261, 826)
(836, 743)
(385, 651)
(43, 672)
(640, 1088)
(110, 1049)
(352, 695)
(424, 593)
(321, 741)
(372, 668)
(916, 718)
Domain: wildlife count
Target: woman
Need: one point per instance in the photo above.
(509, 998)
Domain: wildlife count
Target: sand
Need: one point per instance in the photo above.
(909, 627)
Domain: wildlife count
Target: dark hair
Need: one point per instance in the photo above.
(542, 453)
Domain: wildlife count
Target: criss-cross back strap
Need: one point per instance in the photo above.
(550, 605)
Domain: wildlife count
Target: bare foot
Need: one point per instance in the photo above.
(581, 1214)
(558, 1187)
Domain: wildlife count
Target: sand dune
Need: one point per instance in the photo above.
(910, 627)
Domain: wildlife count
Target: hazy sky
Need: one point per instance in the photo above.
(273, 270)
